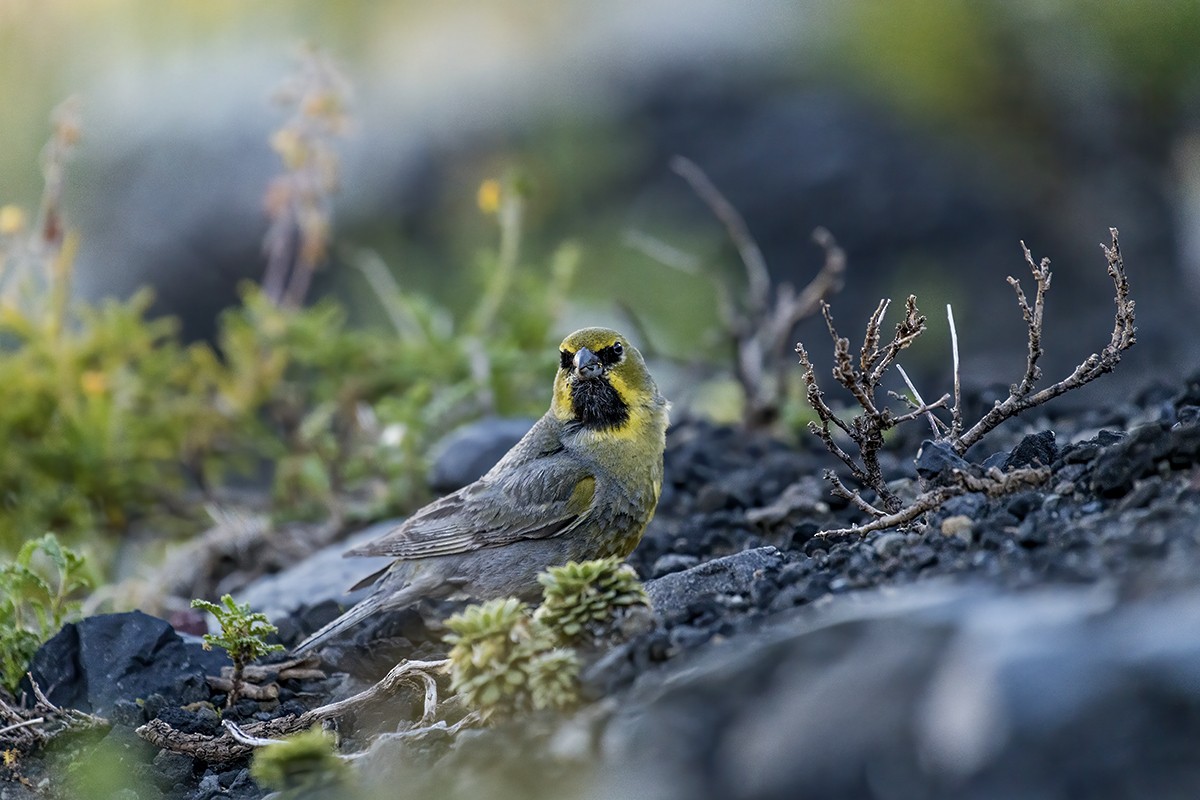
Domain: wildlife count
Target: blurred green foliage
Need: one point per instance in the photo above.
(38, 593)
(109, 419)
(986, 66)
(303, 765)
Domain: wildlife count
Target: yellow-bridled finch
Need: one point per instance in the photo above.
(582, 484)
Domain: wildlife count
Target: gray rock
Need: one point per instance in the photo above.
(732, 575)
(325, 575)
(937, 459)
(172, 769)
(673, 562)
(464, 455)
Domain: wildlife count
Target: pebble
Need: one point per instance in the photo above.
(959, 526)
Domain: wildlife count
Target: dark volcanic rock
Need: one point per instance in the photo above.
(1143, 453)
(1035, 450)
(723, 580)
(97, 662)
(937, 460)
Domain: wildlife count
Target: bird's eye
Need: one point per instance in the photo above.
(617, 349)
(566, 359)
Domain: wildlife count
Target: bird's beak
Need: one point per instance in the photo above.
(587, 365)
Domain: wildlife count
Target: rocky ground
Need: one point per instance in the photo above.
(1043, 644)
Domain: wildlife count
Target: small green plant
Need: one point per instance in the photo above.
(504, 661)
(38, 593)
(554, 679)
(583, 602)
(243, 636)
(507, 658)
(300, 764)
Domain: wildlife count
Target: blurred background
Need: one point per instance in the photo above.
(930, 137)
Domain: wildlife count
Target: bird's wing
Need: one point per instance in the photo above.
(536, 499)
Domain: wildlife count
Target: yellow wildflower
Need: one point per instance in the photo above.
(93, 382)
(12, 220)
(489, 196)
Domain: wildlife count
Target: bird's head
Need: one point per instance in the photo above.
(603, 384)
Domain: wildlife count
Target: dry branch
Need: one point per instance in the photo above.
(761, 330)
(994, 484)
(23, 730)
(862, 381)
(861, 378)
(1124, 335)
(229, 746)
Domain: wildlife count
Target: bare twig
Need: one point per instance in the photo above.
(839, 489)
(862, 380)
(241, 737)
(1124, 335)
(920, 401)
(994, 484)
(252, 691)
(23, 724)
(227, 747)
(26, 729)
(757, 276)
(473, 718)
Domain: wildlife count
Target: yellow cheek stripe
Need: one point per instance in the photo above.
(560, 404)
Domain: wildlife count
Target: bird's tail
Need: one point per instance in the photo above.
(348, 620)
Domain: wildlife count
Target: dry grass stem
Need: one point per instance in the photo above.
(956, 421)
(26, 729)
(299, 201)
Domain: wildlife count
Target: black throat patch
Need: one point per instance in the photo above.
(597, 405)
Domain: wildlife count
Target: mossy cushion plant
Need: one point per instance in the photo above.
(505, 661)
(508, 659)
(583, 602)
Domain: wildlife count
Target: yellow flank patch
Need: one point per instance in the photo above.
(581, 496)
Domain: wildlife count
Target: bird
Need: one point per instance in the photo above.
(582, 484)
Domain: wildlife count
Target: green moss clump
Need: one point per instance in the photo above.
(583, 602)
(303, 763)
